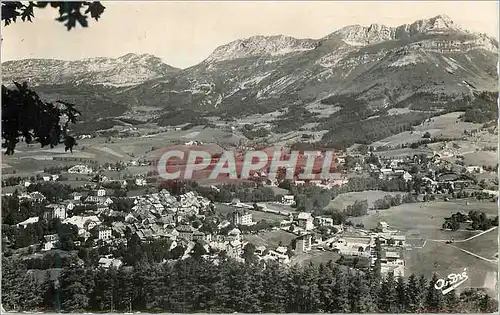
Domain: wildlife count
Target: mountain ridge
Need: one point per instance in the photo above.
(356, 72)
(129, 69)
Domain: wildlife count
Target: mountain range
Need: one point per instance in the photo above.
(384, 74)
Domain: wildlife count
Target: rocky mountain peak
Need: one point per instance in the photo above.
(357, 35)
(435, 24)
(260, 45)
(129, 69)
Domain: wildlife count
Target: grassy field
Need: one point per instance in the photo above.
(342, 201)
(316, 257)
(29, 167)
(270, 239)
(425, 219)
(489, 158)
(279, 207)
(443, 259)
(398, 153)
(116, 149)
(485, 245)
(444, 126)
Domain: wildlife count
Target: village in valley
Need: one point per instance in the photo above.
(105, 214)
(129, 174)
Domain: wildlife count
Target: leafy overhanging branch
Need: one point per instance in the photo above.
(26, 116)
(69, 12)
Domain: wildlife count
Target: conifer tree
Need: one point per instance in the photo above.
(422, 283)
(311, 301)
(402, 294)
(487, 305)
(48, 292)
(414, 294)
(180, 286)
(208, 277)
(32, 292)
(165, 289)
(74, 294)
(340, 301)
(222, 290)
(387, 299)
(434, 298)
(11, 287)
(273, 296)
(360, 298)
(123, 290)
(326, 286)
(101, 298)
(451, 302)
(153, 287)
(141, 271)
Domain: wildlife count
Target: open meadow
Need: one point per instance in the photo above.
(424, 220)
(342, 201)
(485, 245)
(29, 158)
(443, 259)
(444, 126)
(270, 239)
(315, 257)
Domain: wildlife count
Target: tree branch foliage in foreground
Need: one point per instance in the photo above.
(26, 116)
(69, 12)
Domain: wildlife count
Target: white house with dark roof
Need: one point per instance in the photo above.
(55, 211)
(28, 221)
(279, 257)
(80, 169)
(288, 200)
(325, 221)
(259, 250)
(83, 223)
(303, 243)
(241, 217)
(104, 233)
(234, 234)
(50, 241)
(99, 199)
(383, 226)
(234, 249)
(107, 263)
(185, 232)
(305, 221)
(70, 204)
(37, 196)
(76, 196)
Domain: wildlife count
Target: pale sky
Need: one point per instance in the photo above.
(185, 33)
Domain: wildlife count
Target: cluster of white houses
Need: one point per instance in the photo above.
(361, 243)
(162, 215)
